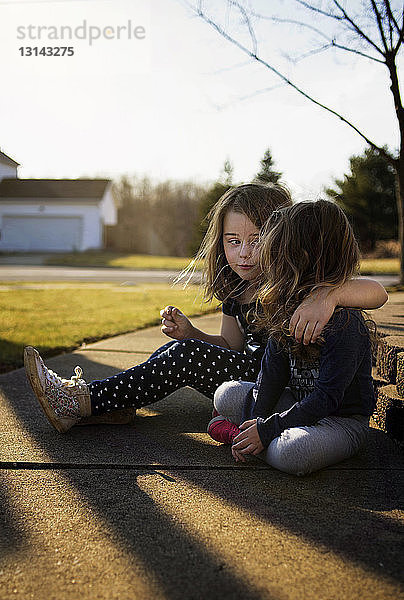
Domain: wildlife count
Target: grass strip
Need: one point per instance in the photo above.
(119, 260)
(60, 317)
(380, 266)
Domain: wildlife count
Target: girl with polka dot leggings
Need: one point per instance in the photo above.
(193, 357)
(177, 364)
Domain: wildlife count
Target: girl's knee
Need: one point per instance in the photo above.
(224, 396)
(182, 346)
(229, 399)
(287, 454)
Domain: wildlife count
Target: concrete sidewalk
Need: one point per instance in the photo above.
(158, 510)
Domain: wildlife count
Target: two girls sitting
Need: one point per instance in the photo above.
(283, 326)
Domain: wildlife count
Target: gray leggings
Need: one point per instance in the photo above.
(298, 450)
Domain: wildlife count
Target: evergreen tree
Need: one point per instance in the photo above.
(367, 194)
(267, 173)
(228, 171)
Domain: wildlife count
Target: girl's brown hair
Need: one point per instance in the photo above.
(303, 247)
(257, 202)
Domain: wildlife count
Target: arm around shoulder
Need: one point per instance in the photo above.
(360, 293)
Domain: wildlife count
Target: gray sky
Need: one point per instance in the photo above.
(179, 100)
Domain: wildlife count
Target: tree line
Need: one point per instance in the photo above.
(169, 218)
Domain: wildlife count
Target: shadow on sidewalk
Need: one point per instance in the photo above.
(339, 510)
(12, 536)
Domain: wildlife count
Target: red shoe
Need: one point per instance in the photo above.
(222, 430)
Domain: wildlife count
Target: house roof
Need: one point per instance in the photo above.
(7, 160)
(74, 189)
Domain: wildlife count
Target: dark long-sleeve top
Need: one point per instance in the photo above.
(338, 383)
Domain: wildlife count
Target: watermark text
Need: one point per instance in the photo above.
(83, 32)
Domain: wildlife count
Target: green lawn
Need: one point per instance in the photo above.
(172, 263)
(56, 316)
(380, 266)
(119, 260)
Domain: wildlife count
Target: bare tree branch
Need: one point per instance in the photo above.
(358, 52)
(247, 21)
(290, 22)
(380, 25)
(391, 34)
(399, 42)
(401, 36)
(244, 49)
(319, 10)
(332, 42)
(361, 33)
(262, 91)
(312, 52)
(391, 16)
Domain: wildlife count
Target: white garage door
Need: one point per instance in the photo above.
(41, 233)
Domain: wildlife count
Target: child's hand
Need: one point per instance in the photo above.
(312, 315)
(237, 455)
(175, 324)
(247, 442)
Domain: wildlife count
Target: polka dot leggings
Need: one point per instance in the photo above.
(177, 364)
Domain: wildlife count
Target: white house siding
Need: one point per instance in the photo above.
(7, 171)
(63, 217)
(108, 208)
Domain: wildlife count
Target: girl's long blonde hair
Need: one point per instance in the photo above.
(257, 202)
(303, 247)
